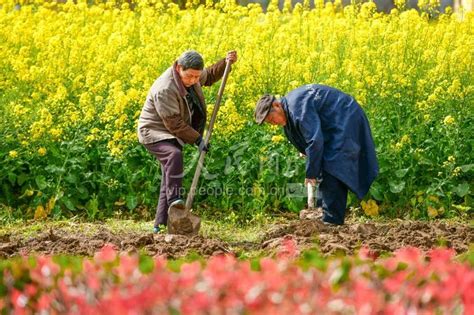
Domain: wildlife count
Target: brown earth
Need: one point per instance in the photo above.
(379, 237)
(60, 241)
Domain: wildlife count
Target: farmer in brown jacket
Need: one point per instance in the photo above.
(174, 113)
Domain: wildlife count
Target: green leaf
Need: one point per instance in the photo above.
(68, 203)
(462, 189)
(92, 207)
(289, 173)
(83, 192)
(229, 169)
(73, 263)
(55, 169)
(314, 259)
(466, 168)
(396, 187)
(132, 201)
(214, 184)
(146, 264)
(75, 161)
(220, 163)
(401, 172)
(22, 178)
(425, 161)
(12, 178)
(341, 274)
(269, 177)
(376, 193)
(59, 195)
(462, 208)
(41, 182)
(71, 178)
(6, 192)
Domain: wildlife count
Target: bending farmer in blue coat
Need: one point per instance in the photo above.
(331, 129)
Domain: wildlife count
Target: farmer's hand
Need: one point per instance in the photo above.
(201, 145)
(301, 155)
(231, 57)
(313, 181)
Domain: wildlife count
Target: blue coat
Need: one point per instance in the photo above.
(331, 129)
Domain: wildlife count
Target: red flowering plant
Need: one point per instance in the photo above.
(113, 283)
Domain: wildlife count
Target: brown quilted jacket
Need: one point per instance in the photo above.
(166, 113)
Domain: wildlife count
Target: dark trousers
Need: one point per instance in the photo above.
(332, 197)
(169, 154)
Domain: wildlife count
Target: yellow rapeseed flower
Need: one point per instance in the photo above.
(448, 120)
(405, 139)
(432, 212)
(40, 213)
(352, 48)
(42, 151)
(277, 138)
(457, 171)
(433, 198)
(13, 154)
(370, 207)
(56, 132)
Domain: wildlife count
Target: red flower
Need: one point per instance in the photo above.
(106, 254)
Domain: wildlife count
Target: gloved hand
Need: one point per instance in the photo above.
(201, 145)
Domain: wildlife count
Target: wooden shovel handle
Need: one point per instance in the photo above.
(310, 188)
(192, 190)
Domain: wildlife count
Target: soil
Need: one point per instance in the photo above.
(379, 237)
(60, 241)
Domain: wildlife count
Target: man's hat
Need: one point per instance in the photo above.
(264, 105)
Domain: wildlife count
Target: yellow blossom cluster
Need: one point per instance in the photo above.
(405, 139)
(277, 138)
(84, 70)
(370, 207)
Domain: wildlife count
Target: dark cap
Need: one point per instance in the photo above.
(264, 105)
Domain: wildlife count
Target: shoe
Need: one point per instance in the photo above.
(178, 203)
(156, 230)
(330, 223)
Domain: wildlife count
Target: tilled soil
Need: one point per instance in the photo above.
(61, 241)
(379, 237)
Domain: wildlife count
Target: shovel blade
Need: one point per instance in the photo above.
(181, 221)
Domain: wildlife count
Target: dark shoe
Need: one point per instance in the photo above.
(330, 223)
(156, 230)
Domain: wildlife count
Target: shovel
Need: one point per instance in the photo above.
(180, 219)
(310, 188)
(312, 212)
